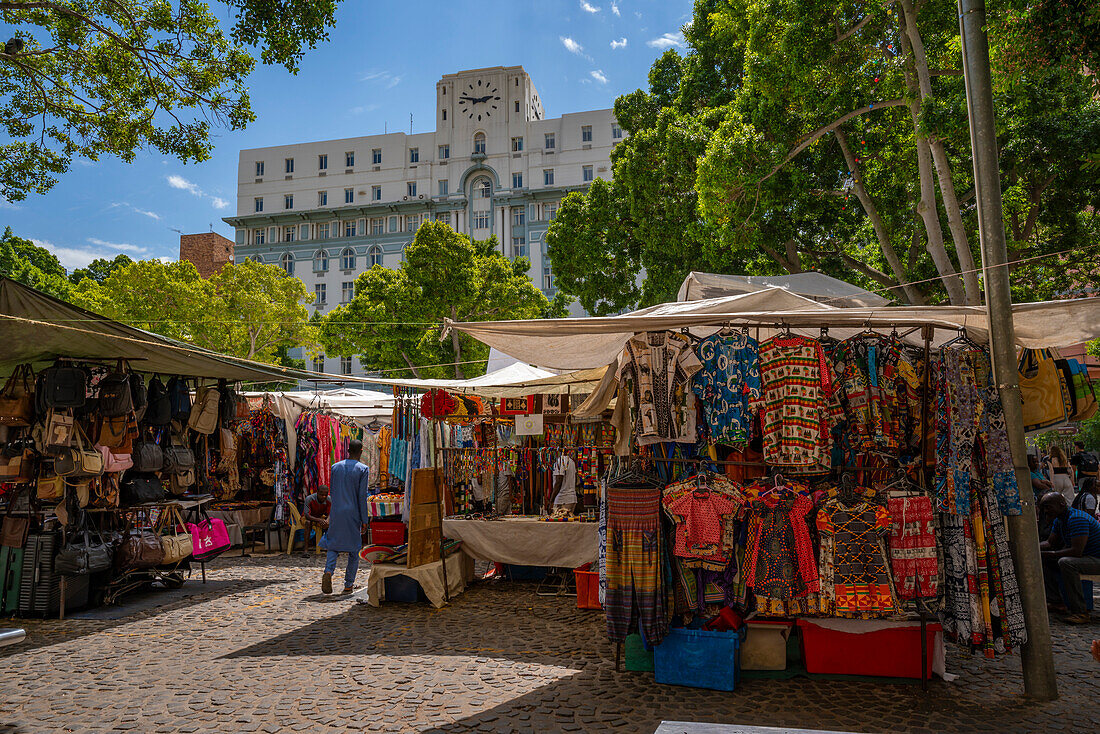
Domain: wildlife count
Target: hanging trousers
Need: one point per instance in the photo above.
(634, 593)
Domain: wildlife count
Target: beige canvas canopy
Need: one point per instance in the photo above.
(513, 381)
(813, 285)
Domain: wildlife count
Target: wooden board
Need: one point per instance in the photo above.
(423, 517)
(424, 546)
(424, 487)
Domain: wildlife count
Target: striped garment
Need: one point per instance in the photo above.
(798, 404)
(634, 590)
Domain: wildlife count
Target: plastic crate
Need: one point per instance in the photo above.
(387, 533)
(885, 653)
(588, 589)
(698, 659)
(403, 588)
(638, 658)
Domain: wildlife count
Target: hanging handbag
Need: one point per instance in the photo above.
(113, 462)
(209, 537)
(50, 487)
(113, 432)
(147, 457)
(158, 412)
(18, 468)
(105, 491)
(83, 554)
(139, 395)
(1080, 389)
(13, 532)
(179, 483)
(115, 399)
(81, 460)
(140, 548)
(178, 459)
(1045, 395)
(141, 489)
(175, 539)
(59, 430)
(204, 413)
(17, 398)
(64, 387)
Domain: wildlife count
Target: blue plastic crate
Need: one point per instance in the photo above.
(699, 659)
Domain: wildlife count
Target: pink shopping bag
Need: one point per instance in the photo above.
(209, 538)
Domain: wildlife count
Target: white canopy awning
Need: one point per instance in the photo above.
(816, 286)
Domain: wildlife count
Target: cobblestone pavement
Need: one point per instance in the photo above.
(264, 651)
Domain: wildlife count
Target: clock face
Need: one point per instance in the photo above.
(479, 100)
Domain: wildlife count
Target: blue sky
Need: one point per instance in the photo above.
(380, 65)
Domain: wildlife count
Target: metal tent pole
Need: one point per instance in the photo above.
(1037, 654)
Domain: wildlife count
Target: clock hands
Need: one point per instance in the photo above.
(477, 100)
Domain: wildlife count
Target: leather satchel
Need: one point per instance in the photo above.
(64, 387)
(139, 549)
(82, 460)
(105, 492)
(175, 539)
(18, 468)
(13, 532)
(82, 555)
(113, 432)
(142, 489)
(147, 457)
(50, 487)
(178, 459)
(17, 398)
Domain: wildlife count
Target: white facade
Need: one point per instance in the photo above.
(494, 166)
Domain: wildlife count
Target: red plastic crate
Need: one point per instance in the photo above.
(886, 653)
(588, 589)
(387, 533)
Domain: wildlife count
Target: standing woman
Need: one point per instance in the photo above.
(1061, 473)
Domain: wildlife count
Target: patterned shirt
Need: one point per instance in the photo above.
(728, 385)
(655, 370)
(798, 406)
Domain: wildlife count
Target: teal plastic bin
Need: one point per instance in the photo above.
(698, 659)
(638, 659)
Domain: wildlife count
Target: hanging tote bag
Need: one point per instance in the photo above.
(204, 413)
(84, 553)
(13, 532)
(17, 398)
(178, 459)
(159, 410)
(116, 398)
(17, 465)
(147, 456)
(59, 430)
(175, 539)
(1085, 405)
(64, 387)
(113, 462)
(1046, 397)
(142, 489)
(50, 486)
(81, 460)
(209, 537)
(139, 549)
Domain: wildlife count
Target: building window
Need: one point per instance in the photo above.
(519, 216)
(374, 256)
(479, 143)
(259, 203)
(322, 233)
(547, 278)
(320, 260)
(586, 173)
(345, 365)
(319, 294)
(347, 257)
(376, 193)
(349, 196)
(347, 291)
(551, 210)
(519, 246)
(286, 262)
(481, 220)
(517, 105)
(393, 224)
(444, 114)
(548, 177)
(319, 363)
(322, 198)
(444, 152)
(616, 131)
(412, 222)
(289, 165)
(322, 162)
(551, 141)
(258, 236)
(444, 217)
(349, 159)
(289, 232)
(410, 187)
(376, 156)
(517, 180)
(414, 155)
(349, 229)
(444, 187)
(288, 201)
(483, 188)
(259, 169)
(517, 145)
(377, 225)
(586, 133)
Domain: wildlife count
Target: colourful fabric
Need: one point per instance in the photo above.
(866, 372)
(655, 370)
(728, 386)
(913, 555)
(634, 590)
(699, 524)
(860, 583)
(780, 559)
(721, 487)
(797, 413)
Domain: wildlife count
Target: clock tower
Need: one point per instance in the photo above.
(495, 101)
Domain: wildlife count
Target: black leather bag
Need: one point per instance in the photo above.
(139, 395)
(159, 410)
(115, 396)
(64, 387)
(140, 489)
(178, 459)
(147, 457)
(83, 554)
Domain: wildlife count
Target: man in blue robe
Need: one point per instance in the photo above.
(348, 495)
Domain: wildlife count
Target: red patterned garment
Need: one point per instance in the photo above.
(780, 561)
(698, 518)
(799, 405)
(913, 555)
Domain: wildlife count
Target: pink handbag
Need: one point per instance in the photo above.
(115, 462)
(209, 538)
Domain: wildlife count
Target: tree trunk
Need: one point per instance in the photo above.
(780, 258)
(409, 362)
(456, 344)
(906, 291)
(941, 161)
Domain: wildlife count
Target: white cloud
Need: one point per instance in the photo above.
(181, 183)
(387, 79)
(588, 8)
(5, 204)
(615, 8)
(571, 46)
(668, 40)
(167, 260)
(621, 43)
(70, 258)
(152, 215)
(123, 246)
(598, 76)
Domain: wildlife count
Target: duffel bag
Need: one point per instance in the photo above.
(139, 549)
(140, 489)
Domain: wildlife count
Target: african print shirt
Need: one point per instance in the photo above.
(798, 403)
(866, 372)
(655, 370)
(728, 385)
(854, 573)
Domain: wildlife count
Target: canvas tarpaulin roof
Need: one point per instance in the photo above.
(515, 380)
(592, 342)
(816, 286)
(38, 329)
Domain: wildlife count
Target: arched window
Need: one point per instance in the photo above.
(375, 255)
(347, 259)
(479, 143)
(287, 263)
(483, 188)
(320, 262)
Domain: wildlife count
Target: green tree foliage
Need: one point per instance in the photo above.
(88, 78)
(27, 263)
(799, 134)
(99, 269)
(247, 310)
(392, 323)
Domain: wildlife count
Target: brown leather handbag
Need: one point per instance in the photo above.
(140, 548)
(17, 398)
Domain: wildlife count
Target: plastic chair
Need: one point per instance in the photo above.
(297, 522)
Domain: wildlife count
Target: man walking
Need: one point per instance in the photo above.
(1072, 549)
(347, 516)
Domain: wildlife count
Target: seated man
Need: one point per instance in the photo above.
(1072, 549)
(1039, 484)
(317, 508)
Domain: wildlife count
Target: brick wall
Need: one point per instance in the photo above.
(208, 251)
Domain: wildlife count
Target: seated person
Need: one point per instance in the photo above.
(317, 508)
(1088, 497)
(1040, 485)
(1072, 549)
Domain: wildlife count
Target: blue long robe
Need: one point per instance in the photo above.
(348, 494)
